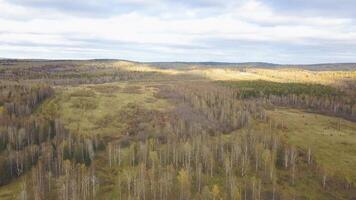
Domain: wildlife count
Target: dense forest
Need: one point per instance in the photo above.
(124, 130)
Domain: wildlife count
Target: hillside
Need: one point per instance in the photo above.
(313, 67)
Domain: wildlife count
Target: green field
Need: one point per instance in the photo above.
(103, 109)
(332, 140)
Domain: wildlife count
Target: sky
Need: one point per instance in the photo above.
(276, 31)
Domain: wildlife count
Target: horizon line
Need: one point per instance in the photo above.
(182, 62)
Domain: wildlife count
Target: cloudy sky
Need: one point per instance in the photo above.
(279, 31)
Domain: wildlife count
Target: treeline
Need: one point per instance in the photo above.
(200, 167)
(21, 134)
(265, 88)
(64, 170)
(318, 98)
(21, 100)
(217, 104)
(76, 72)
(56, 164)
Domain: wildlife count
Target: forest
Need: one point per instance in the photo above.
(111, 129)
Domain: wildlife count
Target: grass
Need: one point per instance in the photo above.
(333, 150)
(332, 140)
(12, 190)
(304, 76)
(102, 109)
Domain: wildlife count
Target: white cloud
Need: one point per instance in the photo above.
(252, 26)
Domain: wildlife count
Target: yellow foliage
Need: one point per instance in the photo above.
(215, 191)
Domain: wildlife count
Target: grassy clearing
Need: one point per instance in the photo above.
(102, 109)
(332, 140)
(282, 75)
(12, 190)
(305, 76)
(224, 74)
